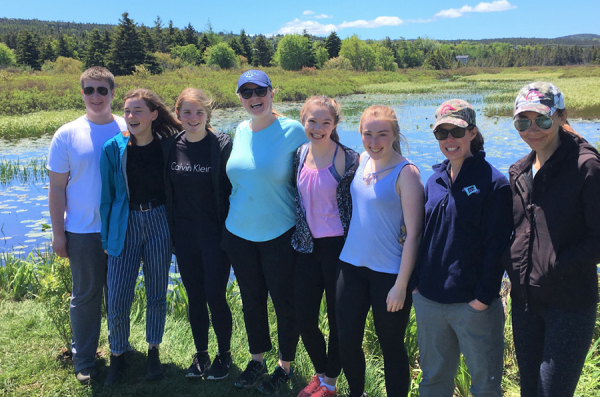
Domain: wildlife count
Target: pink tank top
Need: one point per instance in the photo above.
(318, 193)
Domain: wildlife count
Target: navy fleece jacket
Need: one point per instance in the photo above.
(468, 225)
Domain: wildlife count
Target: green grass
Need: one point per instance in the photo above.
(36, 103)
(35, 333)
(29, 170)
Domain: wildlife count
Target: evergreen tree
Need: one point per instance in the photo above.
(95, 50)
(333, 45)
(235, 46)
(189, 33)
(147, 39)
(27, 52)
(47, 52)
(263, 51)
(63, 49)
(312, 59)
(204, 43)
(126, 50)
(246, 46)
(159, 37)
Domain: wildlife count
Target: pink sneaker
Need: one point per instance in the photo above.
(311, 388)
(324, 392)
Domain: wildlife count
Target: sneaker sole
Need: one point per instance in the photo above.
(192, 375)
(241, 386)
(216, 378)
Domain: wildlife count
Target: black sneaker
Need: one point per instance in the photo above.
(116, 370)
(86, 375)
(153, 365)
(277, 378)
(253, 373)
(199, 366)
(219, 368)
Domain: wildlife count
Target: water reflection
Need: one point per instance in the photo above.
(24, 217)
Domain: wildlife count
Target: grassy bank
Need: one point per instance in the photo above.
(34, 336)
(33, 104)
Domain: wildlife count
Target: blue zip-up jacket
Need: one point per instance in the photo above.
(114, 201)
(468, 225)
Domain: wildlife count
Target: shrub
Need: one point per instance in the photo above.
(293, 52)
(221, 55)
(7, 57)
(141, 72)
(63, 65)
(190, 54)
(338, 63)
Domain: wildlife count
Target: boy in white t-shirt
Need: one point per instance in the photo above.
(74, 202)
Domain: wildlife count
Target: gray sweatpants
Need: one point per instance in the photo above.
(88, 269)
(446, 330)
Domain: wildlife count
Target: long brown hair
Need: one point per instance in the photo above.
(566, 127)
(197, 96)
(381, 112)
(328, 103)
(165, 124)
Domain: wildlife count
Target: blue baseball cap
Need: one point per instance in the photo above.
(257, 77)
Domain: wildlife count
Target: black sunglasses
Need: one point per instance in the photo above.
(90, 90)
(544, 122)
(456, 132)
(246, 93)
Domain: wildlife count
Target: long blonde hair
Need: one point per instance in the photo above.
(197, 96)
(386, 113)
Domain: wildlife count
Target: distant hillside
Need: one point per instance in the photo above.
(50, 27)
(575, 39)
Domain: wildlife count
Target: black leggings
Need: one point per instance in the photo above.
(551, 346)
(263, 269)
(315, 274)
(204, 270)
(358, 289)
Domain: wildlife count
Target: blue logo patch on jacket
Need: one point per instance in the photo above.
(470, 190)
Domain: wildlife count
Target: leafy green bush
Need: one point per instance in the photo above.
(221, 55)
(7, 56)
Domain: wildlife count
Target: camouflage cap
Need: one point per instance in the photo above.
(455, 111)
(539, 97)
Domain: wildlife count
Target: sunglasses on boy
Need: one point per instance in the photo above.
(544, 122)
(246, 93)
(90, 90)
(456, 132)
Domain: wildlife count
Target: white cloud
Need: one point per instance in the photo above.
(319, 29)
(308, 12)
(312, 27)
(322, 16)
(375, 23)
(494, 6)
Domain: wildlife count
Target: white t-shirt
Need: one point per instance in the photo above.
(76, 148)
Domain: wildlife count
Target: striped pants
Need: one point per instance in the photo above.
(148, 241)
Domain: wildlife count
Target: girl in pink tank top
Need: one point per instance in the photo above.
(323, 176)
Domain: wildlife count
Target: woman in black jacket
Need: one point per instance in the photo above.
(197, 204)
(556, 246)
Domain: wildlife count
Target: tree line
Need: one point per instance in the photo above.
(128, 47)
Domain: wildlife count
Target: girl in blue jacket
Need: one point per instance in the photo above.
(456, 282)
(135, 227)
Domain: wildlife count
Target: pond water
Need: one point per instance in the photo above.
(24, 216)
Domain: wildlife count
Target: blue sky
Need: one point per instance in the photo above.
(443, 20)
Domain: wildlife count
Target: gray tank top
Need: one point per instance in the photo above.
(377, 232)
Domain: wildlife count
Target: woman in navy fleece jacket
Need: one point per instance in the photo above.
(456, 282)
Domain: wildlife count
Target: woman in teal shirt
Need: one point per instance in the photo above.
(258, 229)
